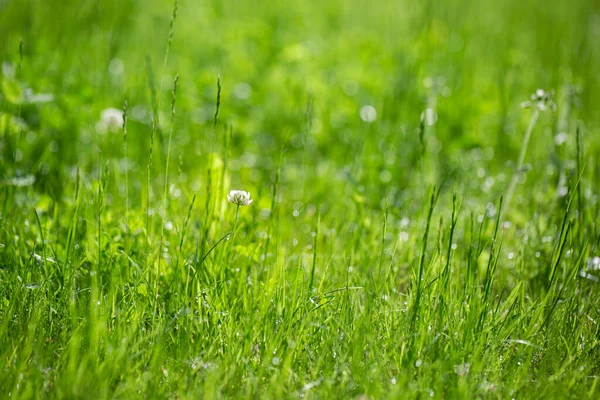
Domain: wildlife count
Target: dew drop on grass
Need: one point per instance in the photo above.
(275, 361)
(418, 363)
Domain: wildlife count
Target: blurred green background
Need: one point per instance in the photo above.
(338, 117)
(295, 75)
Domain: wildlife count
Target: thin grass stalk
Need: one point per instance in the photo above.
(519, 167)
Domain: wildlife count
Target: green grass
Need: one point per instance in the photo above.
(442, 242)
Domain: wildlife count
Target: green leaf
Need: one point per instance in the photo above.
(143, 290)
(12, 91)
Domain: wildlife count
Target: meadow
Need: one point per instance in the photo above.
(424, 196)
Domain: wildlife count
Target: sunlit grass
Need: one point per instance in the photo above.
(321, 200)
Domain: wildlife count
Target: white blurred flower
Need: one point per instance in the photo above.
(368, 113)
(429, 116)
(593, 263)
(540, 93)
(239, 197)
(561, 138)
(541, 99)
(111, 120)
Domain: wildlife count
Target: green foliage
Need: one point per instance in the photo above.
(414, 231)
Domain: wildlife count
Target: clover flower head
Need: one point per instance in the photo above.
(111, 120)
(541, 100)
(239, 197)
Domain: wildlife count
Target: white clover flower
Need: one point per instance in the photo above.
(239, 197)
(111, 120)
(541, 99)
